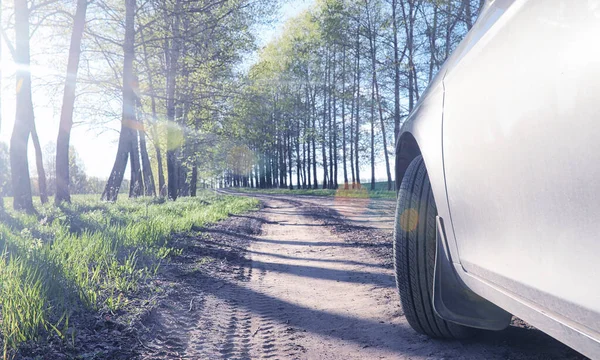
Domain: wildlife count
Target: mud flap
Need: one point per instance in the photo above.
(454, 301)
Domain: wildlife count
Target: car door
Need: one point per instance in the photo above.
(521, 140)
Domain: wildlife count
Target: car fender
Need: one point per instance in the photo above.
(422, 134)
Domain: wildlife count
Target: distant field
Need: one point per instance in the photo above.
(380, 191)
(89, 255)
(380, 185)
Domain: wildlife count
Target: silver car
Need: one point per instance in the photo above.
(499, 205)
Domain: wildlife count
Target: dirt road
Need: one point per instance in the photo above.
(295, 281)
(374, 213)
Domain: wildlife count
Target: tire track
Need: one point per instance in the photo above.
(171, 326)
(304, 289)
(222, 316)
(272, 338)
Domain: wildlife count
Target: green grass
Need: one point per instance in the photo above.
(89, 254)
(380, 192)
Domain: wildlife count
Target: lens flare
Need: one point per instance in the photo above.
(409, 219)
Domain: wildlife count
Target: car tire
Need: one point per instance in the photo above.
(414, 255)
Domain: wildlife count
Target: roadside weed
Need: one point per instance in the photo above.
(89, 254)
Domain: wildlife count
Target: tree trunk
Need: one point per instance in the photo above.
(267, 170)
(162, 189)
(330, 119)
(257, 175)
(308, 136)
(194, 182)
(383, 133)
(344, 119)
(314, 140)
(304, 153)
(352, 130)
(357, 118)
(111, 191)
(194, 177)
(136, 185)
(372, 39)
(281, 156)
(148, 177)
(173, 55)
(145, 175)
(432, 47)
(276, 159)
(39, 164)
(1, 198)
(24, 113)
(298, 158)
(324, 131)
(335, 126)
(303, 137)
(68, 105)
(289, 153)
(396, 72)
(468, 14)
(183, 187)
(408, 20)
(372, 135)
(251, 177)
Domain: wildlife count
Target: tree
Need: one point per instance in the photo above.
(339, 72)
(397, 61)
(39, 163)
(372, 35)
(172, 56)
(4, 165)
(24, 113)
(127, 135)
(322, 52)
(66, 116)
(78, 180)
(78, 183)
(153, 127)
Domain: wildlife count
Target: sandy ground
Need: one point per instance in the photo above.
(297, 280)
(374, 213)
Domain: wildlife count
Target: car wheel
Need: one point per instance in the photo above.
(414, 254)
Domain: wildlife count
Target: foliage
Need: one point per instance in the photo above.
(5, 185)
(328, 90)
(78, 179)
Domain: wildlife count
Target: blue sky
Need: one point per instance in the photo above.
(288, 10)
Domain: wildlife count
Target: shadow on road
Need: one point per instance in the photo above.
(511, 343)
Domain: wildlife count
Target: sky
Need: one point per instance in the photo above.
(288, 10)
(97, 148)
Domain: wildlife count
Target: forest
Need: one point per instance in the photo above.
(318, 106)
(326, 100)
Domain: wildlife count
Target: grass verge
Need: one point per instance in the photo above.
(349, 193)
(89, 255)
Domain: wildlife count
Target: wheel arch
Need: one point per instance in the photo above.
(453, 300)
(407, 149)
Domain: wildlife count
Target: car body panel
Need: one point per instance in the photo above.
(522, 157)
(456, 302)
(508, 132)
(424, 125)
